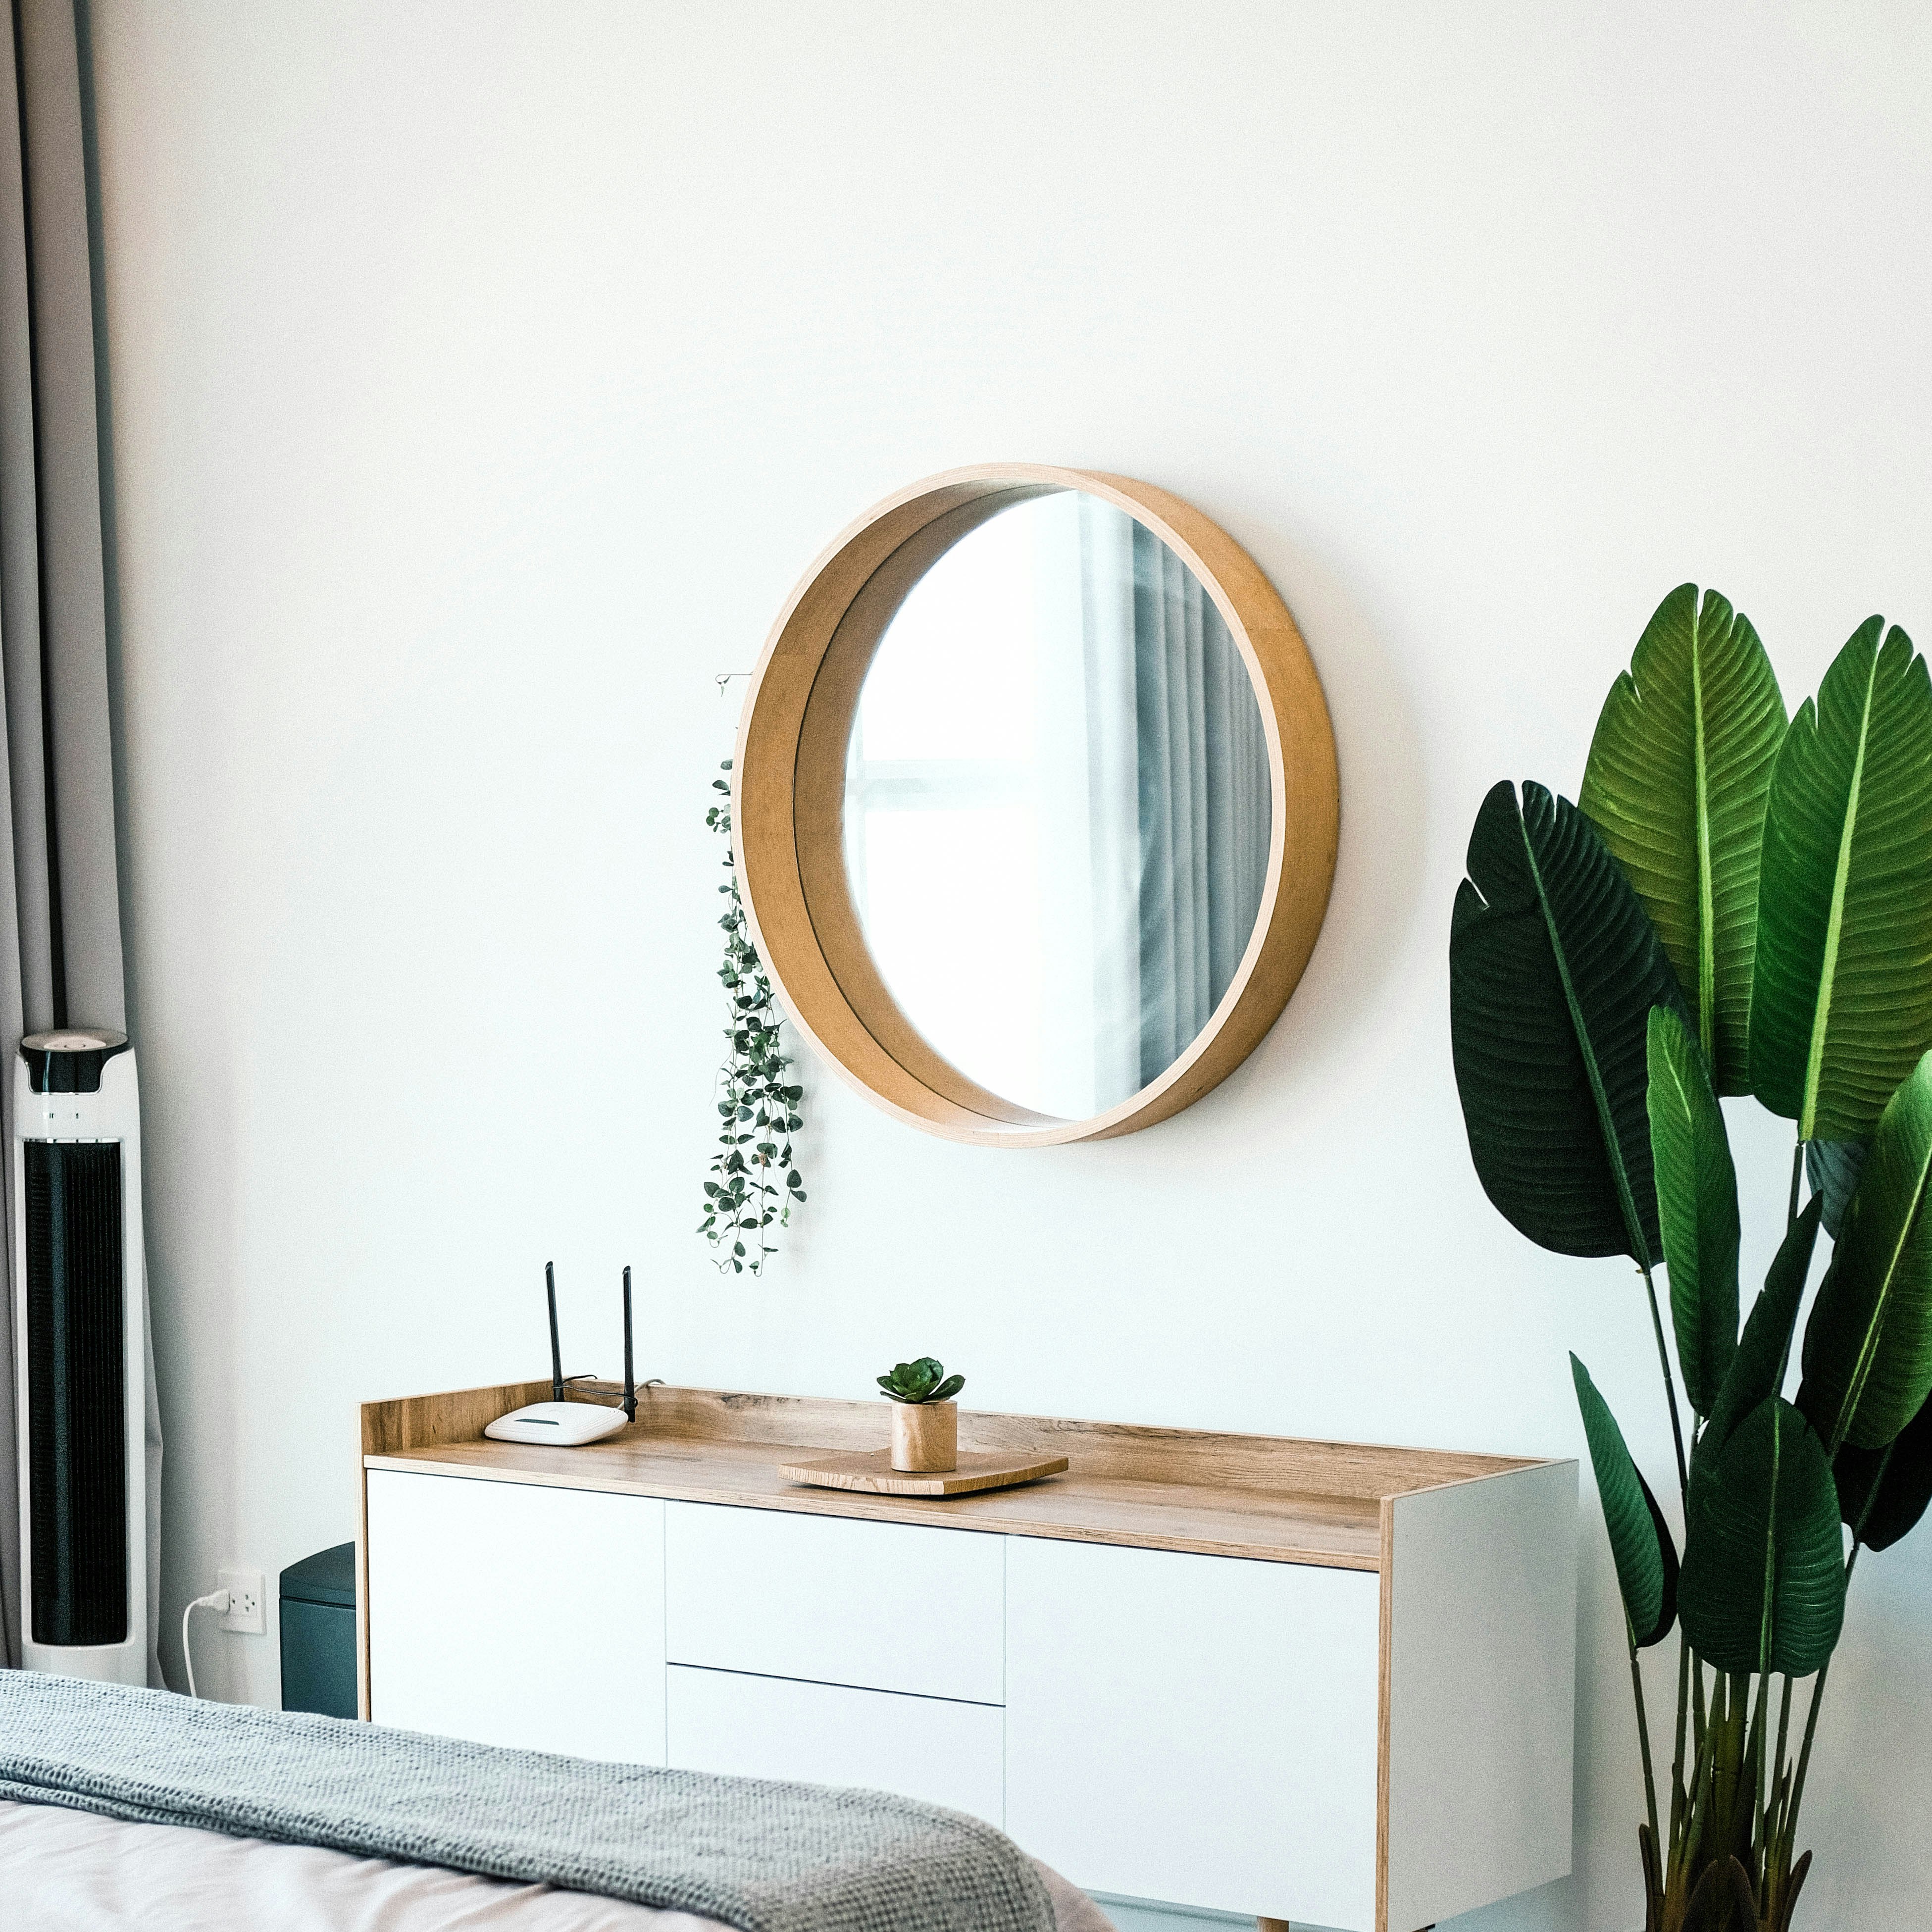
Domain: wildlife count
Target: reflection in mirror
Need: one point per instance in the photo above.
(1057, 808)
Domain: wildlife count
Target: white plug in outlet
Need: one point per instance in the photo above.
(245, 1613)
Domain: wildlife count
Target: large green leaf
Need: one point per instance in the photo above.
(1697, 1205)
(1640, 1545)
(1833, 1167)
(1868, 1344)
(1763, 1586)
(1883, 1493)
(1841, 1000)
(1757, 1367)
(1678, 772)
(1553, 969)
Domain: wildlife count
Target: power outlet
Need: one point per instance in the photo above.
(244, 1613)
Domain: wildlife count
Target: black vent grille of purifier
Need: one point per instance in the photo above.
(76, 1405)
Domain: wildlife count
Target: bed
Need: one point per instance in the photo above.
(75, 1871)
(122, 1807)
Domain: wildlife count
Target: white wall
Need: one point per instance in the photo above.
(483, 376)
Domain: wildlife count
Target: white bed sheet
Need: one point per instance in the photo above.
(73, 1871)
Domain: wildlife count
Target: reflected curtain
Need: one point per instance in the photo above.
(1107, 600)
(1203, 806)
(60, 920)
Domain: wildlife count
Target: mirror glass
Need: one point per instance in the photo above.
(1056, 808)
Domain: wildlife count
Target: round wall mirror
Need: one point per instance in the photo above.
(1035, 805)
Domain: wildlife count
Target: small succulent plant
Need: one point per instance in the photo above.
(925, 1380)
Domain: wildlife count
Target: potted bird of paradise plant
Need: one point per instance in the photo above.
(1737, 904)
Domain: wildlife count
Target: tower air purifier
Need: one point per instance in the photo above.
(79, 1285)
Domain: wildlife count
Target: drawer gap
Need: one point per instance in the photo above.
(831, 1683)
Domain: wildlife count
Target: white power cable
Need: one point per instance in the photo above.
(215, 1599)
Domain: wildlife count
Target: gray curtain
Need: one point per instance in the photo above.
(1204, 808)
(60, 920)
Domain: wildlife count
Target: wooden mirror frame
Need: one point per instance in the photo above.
(788, 798)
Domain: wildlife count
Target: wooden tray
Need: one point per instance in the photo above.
(872, 1470)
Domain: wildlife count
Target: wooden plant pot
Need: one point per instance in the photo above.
(925, 1437)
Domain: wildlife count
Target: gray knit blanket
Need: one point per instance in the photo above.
(758, 1855)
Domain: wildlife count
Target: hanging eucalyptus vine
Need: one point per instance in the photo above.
(754, 1182)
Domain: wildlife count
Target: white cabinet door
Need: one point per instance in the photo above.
(517, 1615)
(884, 1606)
(1200, 1730)
(924, 1748)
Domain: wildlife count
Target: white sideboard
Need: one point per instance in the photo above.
(1312, 1682)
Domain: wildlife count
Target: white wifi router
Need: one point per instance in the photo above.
(568, 1425)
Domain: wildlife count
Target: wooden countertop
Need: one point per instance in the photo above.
(1276, 1498)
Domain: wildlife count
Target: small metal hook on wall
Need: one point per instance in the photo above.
(724, 677)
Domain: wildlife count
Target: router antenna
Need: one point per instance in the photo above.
(556, 1353)
(630, 1386)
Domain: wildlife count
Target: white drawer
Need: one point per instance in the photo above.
(925, 1747)
(882, 1606)
(1201, 1729)
(517, 1615)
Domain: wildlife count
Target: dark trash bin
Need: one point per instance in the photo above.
(319, 1633)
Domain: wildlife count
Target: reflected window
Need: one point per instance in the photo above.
(1057, 809)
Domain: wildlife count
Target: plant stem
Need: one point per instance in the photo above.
(1699, 1722)
(1643, 1736)
(1703, 1778)
(1670, 1383)
(1760, 1795)
(1677, 1795)
(1804, 1752)
(1774, 1829)
(1817, 1698)
(1797, 1168)
(1870, 1502)
(1738, 1730)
